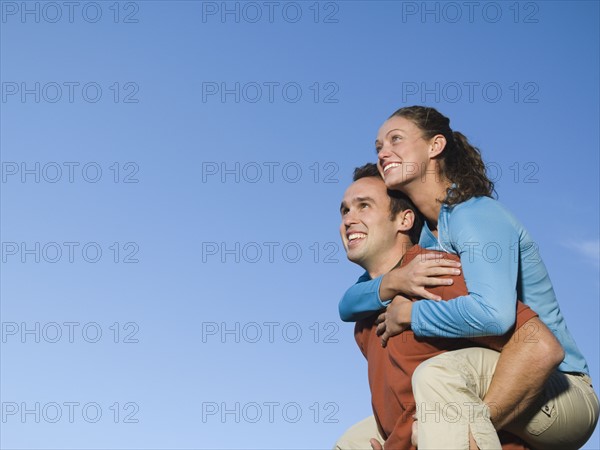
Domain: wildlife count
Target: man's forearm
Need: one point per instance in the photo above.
(525, 363)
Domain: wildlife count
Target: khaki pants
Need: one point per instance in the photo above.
(357, 437)
(449, 389)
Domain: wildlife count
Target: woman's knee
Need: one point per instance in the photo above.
(433, 369)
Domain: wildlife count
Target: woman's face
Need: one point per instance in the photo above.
(402, 152)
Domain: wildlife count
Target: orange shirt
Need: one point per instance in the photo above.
(391, 368)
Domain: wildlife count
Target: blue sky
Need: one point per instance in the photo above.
(171, 178)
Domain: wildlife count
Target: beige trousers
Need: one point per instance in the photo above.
(449, 389)
(357, 437)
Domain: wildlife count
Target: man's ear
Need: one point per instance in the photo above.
(437, 145)
(405, 220)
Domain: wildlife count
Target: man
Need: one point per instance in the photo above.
(378, 231)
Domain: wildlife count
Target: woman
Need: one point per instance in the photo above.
(444, 176)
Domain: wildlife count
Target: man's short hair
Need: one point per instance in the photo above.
(398, 201)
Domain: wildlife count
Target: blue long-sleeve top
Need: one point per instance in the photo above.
(500, 263)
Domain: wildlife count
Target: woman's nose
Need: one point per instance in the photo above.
(383, 152)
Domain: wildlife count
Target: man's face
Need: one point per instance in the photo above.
(366, 229)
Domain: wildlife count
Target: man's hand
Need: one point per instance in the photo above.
(414, 439)
(412, 279)
(376, 445)
(395, 319)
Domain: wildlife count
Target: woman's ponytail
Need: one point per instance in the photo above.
(462, 164)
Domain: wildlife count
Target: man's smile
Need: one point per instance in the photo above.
(355, 238)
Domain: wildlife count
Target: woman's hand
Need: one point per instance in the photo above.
(422, 272)
(395, 319)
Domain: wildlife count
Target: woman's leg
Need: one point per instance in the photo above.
(449, 390)
(357, 436)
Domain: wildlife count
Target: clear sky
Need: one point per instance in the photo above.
(171, 180)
